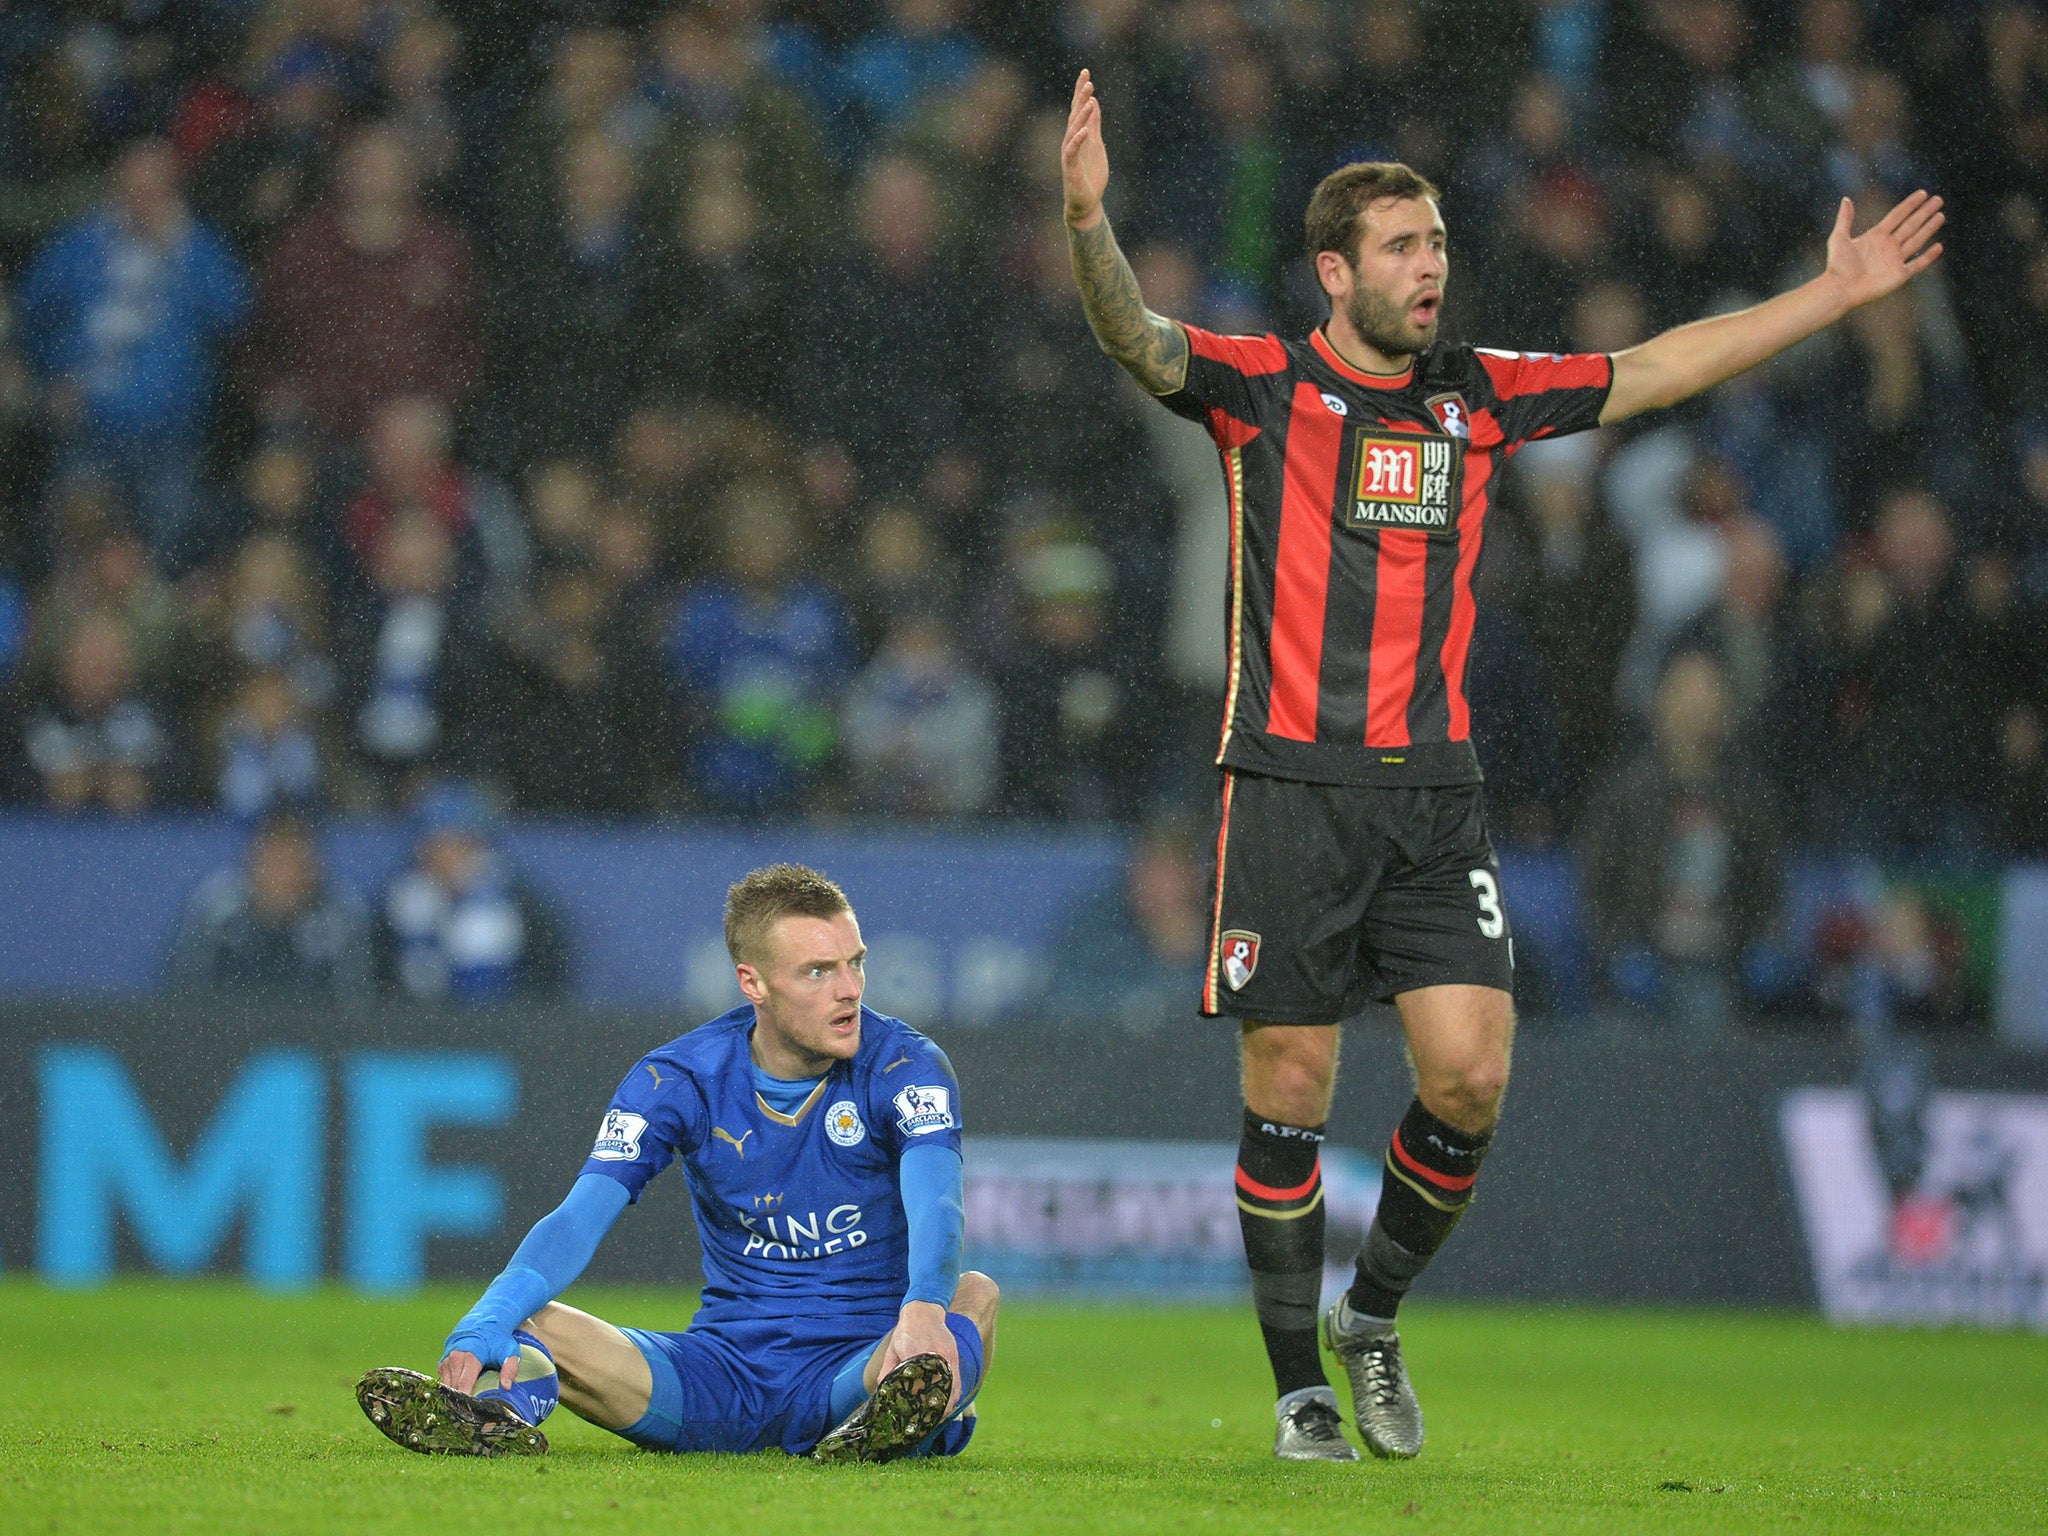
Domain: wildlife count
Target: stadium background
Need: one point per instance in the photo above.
(476, 477)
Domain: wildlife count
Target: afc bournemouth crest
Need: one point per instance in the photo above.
(1449, 411)
(1240, 957)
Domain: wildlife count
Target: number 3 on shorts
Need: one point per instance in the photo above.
(1492, 921)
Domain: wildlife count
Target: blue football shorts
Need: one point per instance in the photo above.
(748, 1384)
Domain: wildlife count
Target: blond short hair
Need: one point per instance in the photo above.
(754, 902)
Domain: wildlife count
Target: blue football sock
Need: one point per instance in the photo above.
(536, 1389)
(951, 1437)
(849, 1391)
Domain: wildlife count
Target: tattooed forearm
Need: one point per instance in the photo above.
(1151, 348)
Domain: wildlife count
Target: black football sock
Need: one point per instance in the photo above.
(1280, 1211)
(1425, 1186)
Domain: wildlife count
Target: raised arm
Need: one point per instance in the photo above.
(1150, 348)
(1680, 363)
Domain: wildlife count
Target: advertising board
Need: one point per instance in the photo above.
(1955, 1231)
(1148, 1217)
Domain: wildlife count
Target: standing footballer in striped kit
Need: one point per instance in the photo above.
(1352, 856)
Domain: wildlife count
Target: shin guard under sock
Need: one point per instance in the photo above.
(1424, 1188)
(1280, 1212)
(535, 1387)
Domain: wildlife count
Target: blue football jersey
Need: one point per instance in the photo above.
(800, 1213)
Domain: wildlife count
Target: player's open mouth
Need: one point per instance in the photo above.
(845, 1023)
(1425, 308)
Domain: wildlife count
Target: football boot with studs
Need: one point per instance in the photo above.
(1382, 1401)
(897, 1417)
(1311, 1428)
(420, 1414)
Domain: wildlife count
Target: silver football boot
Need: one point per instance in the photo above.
(420, 1414)
(1389, 1418)
(905, 1407)
(1311, 1428)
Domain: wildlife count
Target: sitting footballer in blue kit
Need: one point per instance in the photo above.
(821, 1144)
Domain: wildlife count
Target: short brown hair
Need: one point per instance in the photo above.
(1339, 204)
(753, 903)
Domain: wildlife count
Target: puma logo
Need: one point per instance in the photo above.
(652, 1073)
(895, 1064)
(739, 1142)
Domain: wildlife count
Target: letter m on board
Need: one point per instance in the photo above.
(102, 1154)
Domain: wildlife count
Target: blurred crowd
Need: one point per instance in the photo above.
(684, 409)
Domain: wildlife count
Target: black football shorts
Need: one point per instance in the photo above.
(1331, 896)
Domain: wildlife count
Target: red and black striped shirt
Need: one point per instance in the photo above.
(1357, 505)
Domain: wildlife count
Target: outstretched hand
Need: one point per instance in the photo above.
(1084, 161)
(921, 1330)
(1881, 259)
(464, 1373)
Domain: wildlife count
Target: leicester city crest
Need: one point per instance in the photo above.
(843, 1124)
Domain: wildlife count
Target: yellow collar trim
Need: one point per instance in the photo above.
(801, 1110)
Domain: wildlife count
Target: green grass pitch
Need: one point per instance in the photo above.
(204, 1407)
